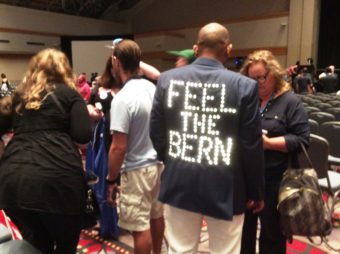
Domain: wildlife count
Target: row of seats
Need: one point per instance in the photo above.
(330, 131)
(324, 120)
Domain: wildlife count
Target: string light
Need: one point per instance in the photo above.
(198, 140)
(209, 149)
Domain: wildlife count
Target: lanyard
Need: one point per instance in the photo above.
(262, 109)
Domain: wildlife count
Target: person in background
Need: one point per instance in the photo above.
(132, 154)
(84, 88)
(184, 57)
(93, 77)
(302, 83)
(99, 106)
(4, 79)
(329, 83)
(329, 69)
(101, 96)
(43, 187)
(285, 125)
(206, 128)
(100, 100)
(146, 71)
(5, 88)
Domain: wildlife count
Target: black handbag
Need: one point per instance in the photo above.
(301, 207)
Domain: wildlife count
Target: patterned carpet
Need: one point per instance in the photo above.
(91, 244)
(298, 247)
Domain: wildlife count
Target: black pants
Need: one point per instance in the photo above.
(271, 239)
(50, 233)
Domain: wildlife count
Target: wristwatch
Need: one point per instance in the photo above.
(109, 181)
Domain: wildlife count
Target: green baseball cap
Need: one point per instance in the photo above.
(188, 54)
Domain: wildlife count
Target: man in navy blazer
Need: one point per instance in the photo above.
(205, 126)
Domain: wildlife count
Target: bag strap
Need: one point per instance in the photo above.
(328, 209)
(323, 240)
(303, 148)
(56, 100)
(306, 154)
(330, 247)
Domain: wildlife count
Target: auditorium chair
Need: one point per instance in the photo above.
(321, 117)
(313, 126)
(334, 111)
(331, 132)
(323, 106)
(335, 103)
(311, 109)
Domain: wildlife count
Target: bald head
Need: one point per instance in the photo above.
(214, 39)
(212, 35)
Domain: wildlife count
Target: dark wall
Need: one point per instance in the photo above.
(329, 37)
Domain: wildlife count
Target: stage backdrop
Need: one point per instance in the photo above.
(329, 50)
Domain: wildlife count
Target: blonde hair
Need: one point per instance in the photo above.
(271, 64)
(46, 70)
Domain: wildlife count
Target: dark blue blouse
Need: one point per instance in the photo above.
(284, 116)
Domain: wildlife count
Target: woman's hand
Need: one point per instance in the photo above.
(266, 142)
(95, 114)
(276, 143)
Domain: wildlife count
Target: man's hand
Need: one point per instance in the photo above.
(256, 206)
(111, 194)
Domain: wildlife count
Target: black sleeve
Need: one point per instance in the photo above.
(5, 124)
(80, 125)
(297, 126)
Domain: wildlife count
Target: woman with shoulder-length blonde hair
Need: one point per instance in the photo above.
(272, 66)
(43, 188)
(285, 126)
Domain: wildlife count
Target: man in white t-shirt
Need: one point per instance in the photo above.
(132, 154)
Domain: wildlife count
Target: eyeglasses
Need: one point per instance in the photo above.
(261, 79)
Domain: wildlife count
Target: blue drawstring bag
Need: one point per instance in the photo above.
(97, 161)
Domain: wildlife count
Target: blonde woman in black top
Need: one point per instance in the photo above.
(42, 180)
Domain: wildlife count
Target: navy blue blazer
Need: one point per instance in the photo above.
(206, 128)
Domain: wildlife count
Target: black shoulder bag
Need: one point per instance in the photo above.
(301, 207)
